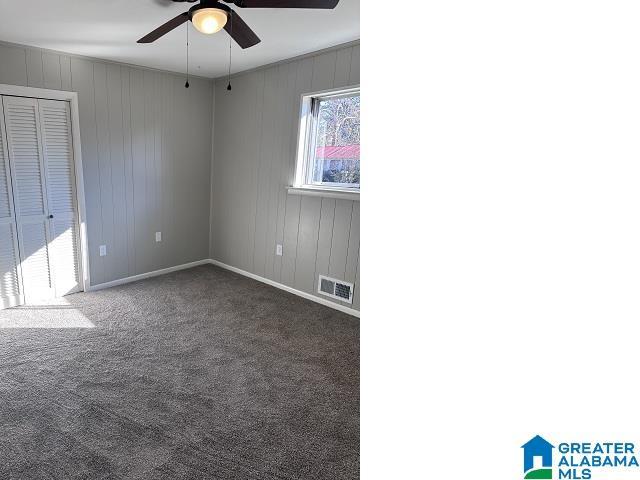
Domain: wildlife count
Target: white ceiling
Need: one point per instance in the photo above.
(109, 29)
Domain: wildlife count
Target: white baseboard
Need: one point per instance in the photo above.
(142, 276)
(184, 266)
(286, 288)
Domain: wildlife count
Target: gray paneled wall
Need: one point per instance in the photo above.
(146, 147)
(146, 151)
(255, 133)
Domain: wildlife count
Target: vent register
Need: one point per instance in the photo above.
(335, 288)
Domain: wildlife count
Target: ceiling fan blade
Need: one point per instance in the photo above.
(240, 31)
(167, 3)
(325, 4)
(164, 29)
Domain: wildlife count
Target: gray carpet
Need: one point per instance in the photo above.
(199, 374)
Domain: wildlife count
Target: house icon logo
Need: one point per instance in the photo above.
(538, 461)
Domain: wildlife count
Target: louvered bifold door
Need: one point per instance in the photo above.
(57, 143)
(29, 193)
(10, 282)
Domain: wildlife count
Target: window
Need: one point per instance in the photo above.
(329, 143)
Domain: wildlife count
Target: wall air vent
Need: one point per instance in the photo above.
(334, 288)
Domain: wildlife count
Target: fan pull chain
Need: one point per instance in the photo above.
(186, 85)
(230, 36)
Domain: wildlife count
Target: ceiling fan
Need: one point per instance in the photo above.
(210, 16)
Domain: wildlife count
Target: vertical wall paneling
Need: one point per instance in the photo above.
(284, 174)
(119, 263)
(308, 229)
(354, 74)
(52, 75)
(266, 154)
(149, 167)
(352, 271)
(324, 71)
(343, 67)
(173, 126)
(290, 239)
(138, 158)
(65, 73)
(226, 178)
(181, 116)
(275, 185)
(235, 187)
(127, 145)
(167, 159)
(158, 168)
(13, 65)
(342, 224)
(252, 167)
(146, 156)
(227, 172)
(304, 77)
(105, 157)
(356, 291)
(353, 249)
(212, 178)
(35, 73)
(198, 185)
(82, 82)
(325, 237)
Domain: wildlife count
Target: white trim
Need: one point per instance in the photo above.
(325, 192)
(33, 92)
(300, 293)
(304, 122)
(334, 91)
(142, 276)
(156, 273)
(82, 212)
(72, 98)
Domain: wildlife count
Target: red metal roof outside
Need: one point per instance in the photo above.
(342, 152)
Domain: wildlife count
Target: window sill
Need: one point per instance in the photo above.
(343, 194)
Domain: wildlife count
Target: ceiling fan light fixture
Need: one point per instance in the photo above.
(211, 16)
(209, 20)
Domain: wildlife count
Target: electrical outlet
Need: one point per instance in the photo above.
(279, 250)
(158, 236)
(103, 250)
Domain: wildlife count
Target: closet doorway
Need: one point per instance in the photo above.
(41, 240)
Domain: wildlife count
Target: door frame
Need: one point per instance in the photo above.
(72, 98)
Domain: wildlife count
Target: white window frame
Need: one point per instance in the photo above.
(303, 185)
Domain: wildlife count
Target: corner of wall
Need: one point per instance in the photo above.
(213, 128)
